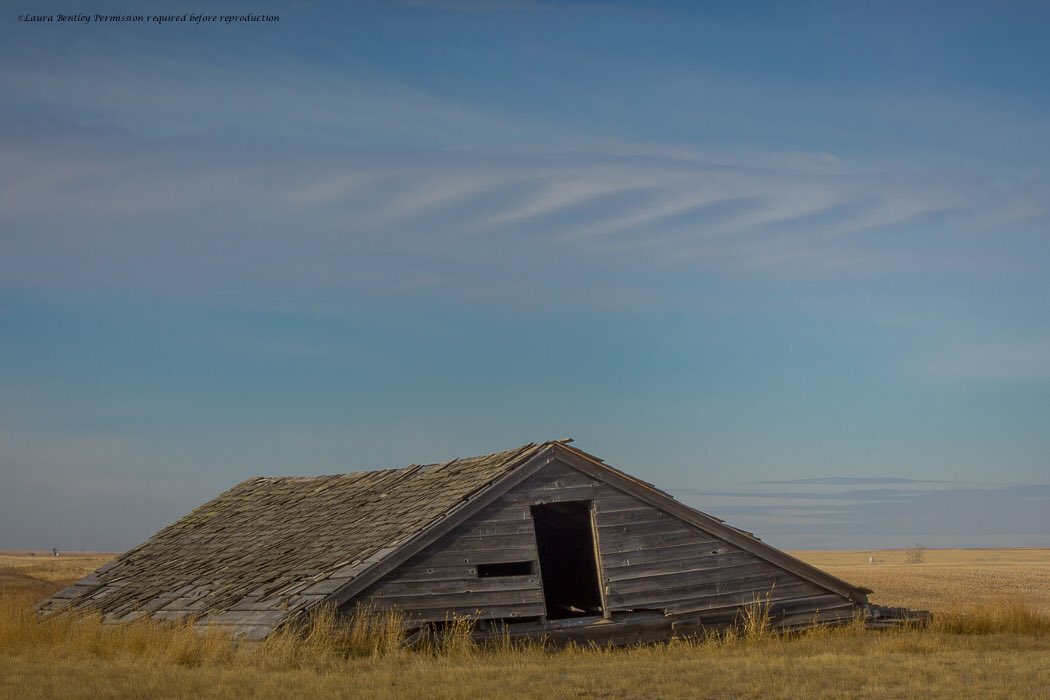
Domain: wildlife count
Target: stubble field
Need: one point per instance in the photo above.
(990, 639)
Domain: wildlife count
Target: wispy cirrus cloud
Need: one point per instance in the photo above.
(210, 177)
(105, 214)
(1016, 360)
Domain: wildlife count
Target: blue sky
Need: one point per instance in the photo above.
(788, 261)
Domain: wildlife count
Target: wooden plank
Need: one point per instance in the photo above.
(630, 515)
(433, 573)
(610, 504)
(646, 528)
(614, 557)
(794, 612)
(843, 612)
(471, 544)
(556, 475)
(158, 602)
(627, 569)
(253, 605)
(479, 556)
(488, 528)
(735, 600)
(741, 591)
(326, 586)
(348, 571)
(633, 543)
(500, 512)
(74, 591)
(450, 601)
(498, 612)
(698, 578)
(493, 583)
(665, 598)
(557, 495)
(170, 615)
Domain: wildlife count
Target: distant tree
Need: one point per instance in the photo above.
(915, 555)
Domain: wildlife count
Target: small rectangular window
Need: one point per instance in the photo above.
(507, 568)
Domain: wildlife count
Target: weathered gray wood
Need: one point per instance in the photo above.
(487, 528)
(470, 544)
(627, 517)
(799, 611)
(326, 586)
(350, 570)
(627, 569)
(652, 552)
(444, 577)
(475, 585)
(435, 531)
(476, 612)
(628, 543)
(813, 615)
(559, 495)
(170, 615)
(808, 615)
(74, 591)
(478, 556)
(614, 501)
(433, 573)
(790, 592)
(618, 557)
(501, 512)
(706, 523)
(444, 601)
(699, 579)
(158, 602)
(556, 475)
(648, 560)
(239, 617)
(645, 528)
(740, 591)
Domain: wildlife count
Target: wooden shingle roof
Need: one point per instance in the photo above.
(271, 547)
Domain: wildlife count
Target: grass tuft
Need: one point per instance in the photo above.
(756, 618)
(993, 617)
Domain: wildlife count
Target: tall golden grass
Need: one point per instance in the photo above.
(991, 648)
(329, 639)
(324, 642)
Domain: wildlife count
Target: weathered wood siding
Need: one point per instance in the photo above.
(443, 580)
(653, 561)
(649, 560)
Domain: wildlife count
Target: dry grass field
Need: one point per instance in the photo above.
(1000, 652)
(947, 578)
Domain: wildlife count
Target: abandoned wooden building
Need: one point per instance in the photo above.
(544, 540)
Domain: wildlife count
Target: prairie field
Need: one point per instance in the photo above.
(990, 639)
(947, 579)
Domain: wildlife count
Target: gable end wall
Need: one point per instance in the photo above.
(649, 560)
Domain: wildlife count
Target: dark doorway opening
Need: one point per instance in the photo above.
(568, 564)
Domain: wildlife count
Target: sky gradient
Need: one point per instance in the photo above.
(790, 262)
